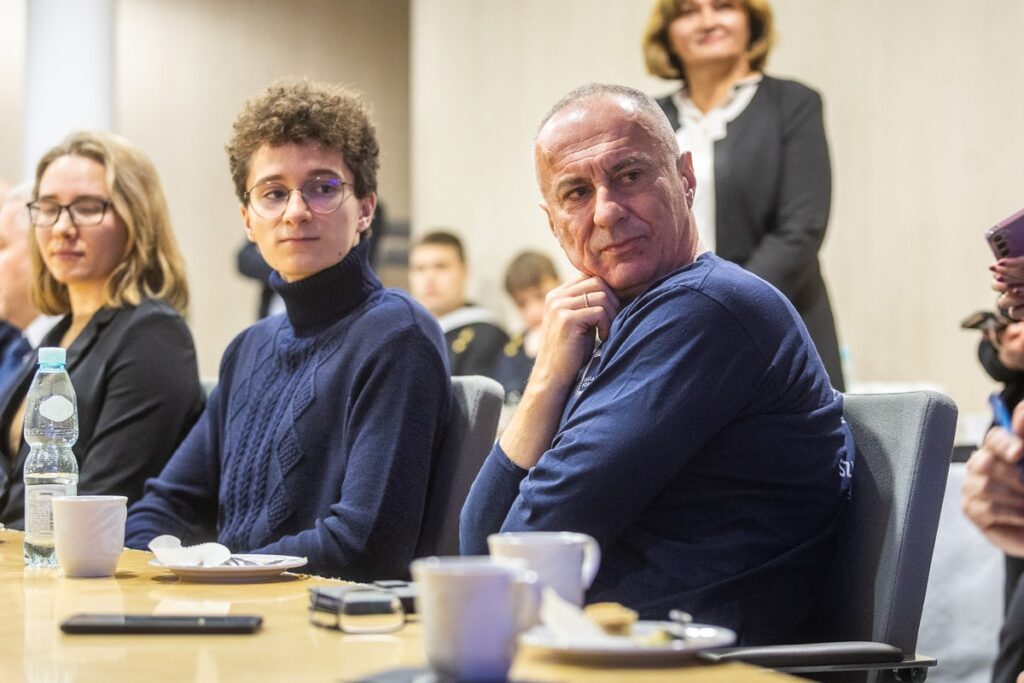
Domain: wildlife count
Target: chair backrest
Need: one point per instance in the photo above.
(877, 583)
(469, 436)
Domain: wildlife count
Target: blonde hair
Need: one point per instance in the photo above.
(152, 266)
(663, 62)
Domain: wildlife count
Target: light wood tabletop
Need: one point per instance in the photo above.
(288, 647)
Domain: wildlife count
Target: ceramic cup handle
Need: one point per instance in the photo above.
(591, 560)
(528, 594)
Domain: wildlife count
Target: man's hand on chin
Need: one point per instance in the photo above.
(572, 313)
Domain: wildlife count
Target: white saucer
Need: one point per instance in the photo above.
(266, 567)
(630, 648)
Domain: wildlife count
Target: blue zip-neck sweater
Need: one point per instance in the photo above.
(320, 436)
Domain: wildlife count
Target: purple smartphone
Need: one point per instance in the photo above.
(1007, 236)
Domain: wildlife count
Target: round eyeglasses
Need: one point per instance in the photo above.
(84, 213)
(356, 609)
(322, 194)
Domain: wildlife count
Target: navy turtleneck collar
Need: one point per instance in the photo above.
(323, 298)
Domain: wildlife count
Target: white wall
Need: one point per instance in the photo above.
(69, 73)
(923, 112)
(12, 66)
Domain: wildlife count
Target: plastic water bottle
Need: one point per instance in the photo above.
(51, 429)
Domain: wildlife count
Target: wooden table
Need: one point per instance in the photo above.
(32, 647)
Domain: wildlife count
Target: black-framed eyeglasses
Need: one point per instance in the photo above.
(356, 609)
(322, 194)
(84, 213)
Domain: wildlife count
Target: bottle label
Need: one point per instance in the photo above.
(56, 408)
(39, 508)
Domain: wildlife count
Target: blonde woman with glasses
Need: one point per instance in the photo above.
(104, 257)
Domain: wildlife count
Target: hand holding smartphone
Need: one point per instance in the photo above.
(1006, 238)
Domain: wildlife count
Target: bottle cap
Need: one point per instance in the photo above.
(52, 355)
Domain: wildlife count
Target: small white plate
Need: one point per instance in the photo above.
(630, 648)
(266, 567)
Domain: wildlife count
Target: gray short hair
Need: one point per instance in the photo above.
(20, 194)
(647, 107)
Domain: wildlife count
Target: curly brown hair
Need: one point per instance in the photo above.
(291, 111)
(152, 266)
(661, 61)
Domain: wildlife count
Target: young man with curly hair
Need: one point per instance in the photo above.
(319, 438)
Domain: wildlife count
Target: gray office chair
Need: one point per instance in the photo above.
(469, 436)
(876, 585)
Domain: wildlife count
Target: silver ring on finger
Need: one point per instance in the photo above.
(586, 299)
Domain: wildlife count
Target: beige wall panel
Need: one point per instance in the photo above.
(12, 75)
(184, 68)
(922, 105)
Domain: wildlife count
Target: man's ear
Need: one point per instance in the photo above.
(685, 167)
(551, 222)
(250, 233)
(367, 207)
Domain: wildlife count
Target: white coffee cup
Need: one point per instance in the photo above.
(88, 533)
(564, 560)
(472, 609)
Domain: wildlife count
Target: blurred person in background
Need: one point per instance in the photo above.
(321, 434)
(759, 150)
(438, 275)
(22, 326)
(529, 278)
(993, 489)
(1001, 353)
(993, 499)
(12, 346)
(104, 257)
(1008, 280)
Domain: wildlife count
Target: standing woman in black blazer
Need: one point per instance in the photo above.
(103, 254)
(764, 180)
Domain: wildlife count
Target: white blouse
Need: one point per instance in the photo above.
(697, 134)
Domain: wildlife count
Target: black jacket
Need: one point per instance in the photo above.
(773, 190)
(137, 383)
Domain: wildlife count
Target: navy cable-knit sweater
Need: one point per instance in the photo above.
(320, 436)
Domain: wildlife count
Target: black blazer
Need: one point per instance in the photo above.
(135, 375)
(773, 190)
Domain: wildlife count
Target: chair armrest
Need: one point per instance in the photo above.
(808, 654)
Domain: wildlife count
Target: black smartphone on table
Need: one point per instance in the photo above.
(160, 624)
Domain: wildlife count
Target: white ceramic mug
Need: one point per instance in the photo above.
(564, 560)
(88, 533)
(472, 609)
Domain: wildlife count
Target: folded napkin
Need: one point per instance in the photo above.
(569, 626)
(169, 552)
